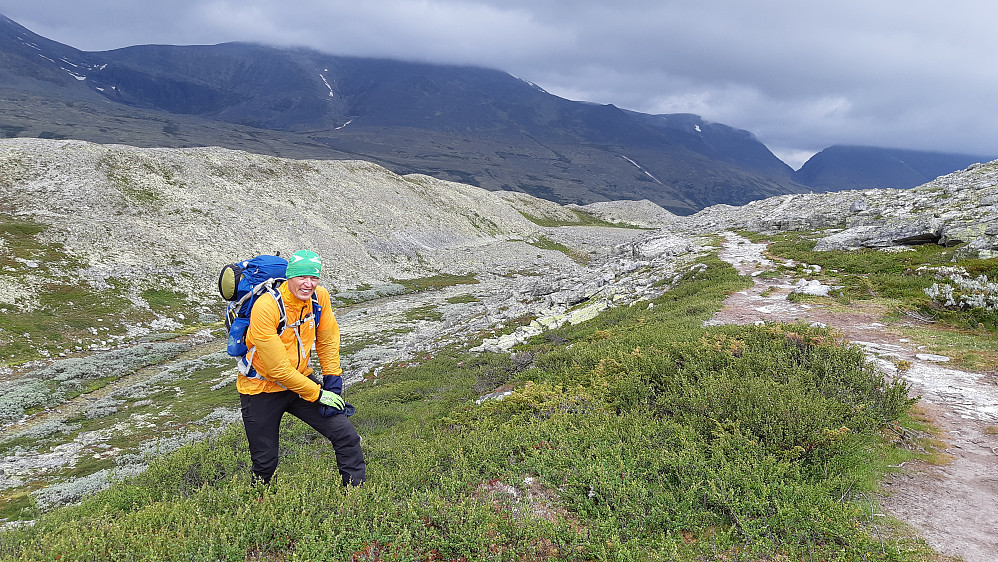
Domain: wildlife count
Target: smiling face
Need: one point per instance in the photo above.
(303, 286)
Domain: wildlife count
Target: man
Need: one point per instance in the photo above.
(279, 381)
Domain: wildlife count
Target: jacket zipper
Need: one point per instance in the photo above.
(301, 316)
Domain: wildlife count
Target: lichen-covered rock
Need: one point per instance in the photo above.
(642, 213)
(893, 233)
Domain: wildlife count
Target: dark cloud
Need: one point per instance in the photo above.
(801, 75)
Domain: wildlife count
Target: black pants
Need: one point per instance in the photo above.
(262, 415)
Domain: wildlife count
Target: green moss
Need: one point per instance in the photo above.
(582, 218)
(22, 241)
(64, 319)
(129, 175)
(16, 506)
(64, 309)
(436, 282)
(167, 302)
(18, 229)
(545, 243)
(428, 312)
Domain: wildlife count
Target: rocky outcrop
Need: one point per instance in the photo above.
(642, 213)
(892, 233)
(955, 209)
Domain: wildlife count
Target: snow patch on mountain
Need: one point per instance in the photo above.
(638, 166)
(326, 82)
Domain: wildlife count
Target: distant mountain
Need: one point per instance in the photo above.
(478, 126)
(839, 168)
(473, 125)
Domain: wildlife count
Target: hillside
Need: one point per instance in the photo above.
(110, 255)
(137, 236)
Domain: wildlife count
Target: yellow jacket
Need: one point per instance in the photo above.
(278, 358)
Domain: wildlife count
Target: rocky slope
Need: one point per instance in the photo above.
(126, 212)
(952, 209)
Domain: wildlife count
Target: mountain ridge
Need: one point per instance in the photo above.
(478, 126)
(842, 167)
(473, 125)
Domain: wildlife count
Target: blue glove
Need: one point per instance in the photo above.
(330, 398)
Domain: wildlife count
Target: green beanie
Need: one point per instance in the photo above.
(304, 262)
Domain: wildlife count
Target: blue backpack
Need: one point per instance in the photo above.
(241, 283)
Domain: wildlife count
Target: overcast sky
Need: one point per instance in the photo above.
(800, 74)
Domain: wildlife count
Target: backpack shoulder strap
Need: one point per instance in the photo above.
(316, 309)
(271, 287)
(274, 291)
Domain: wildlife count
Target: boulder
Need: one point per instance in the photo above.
(894, 233)
(813, 287)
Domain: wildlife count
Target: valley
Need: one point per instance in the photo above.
(497, 301)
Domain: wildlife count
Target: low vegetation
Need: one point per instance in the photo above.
(946, 302)
(545, 243)
(640, 435)
(140, 402)
(436, 282)
(581, 218)
(44, 296)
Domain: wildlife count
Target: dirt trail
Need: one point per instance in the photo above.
(953, 507)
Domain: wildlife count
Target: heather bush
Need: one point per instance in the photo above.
(16, 397)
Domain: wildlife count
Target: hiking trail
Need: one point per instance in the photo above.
(952, 506)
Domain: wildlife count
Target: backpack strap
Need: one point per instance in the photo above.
(317, 310)
(270, 286)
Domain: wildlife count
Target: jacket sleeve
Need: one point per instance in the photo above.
(327, 337)
(272, 360)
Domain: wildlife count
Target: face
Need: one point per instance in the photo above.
(303, 286)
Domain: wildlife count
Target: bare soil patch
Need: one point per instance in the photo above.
(953, 506)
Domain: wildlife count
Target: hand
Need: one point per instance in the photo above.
(330, 398)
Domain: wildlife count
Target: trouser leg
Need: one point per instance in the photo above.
(262, 420)
(341, 433)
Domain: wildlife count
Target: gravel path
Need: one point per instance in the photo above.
(953, 506)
